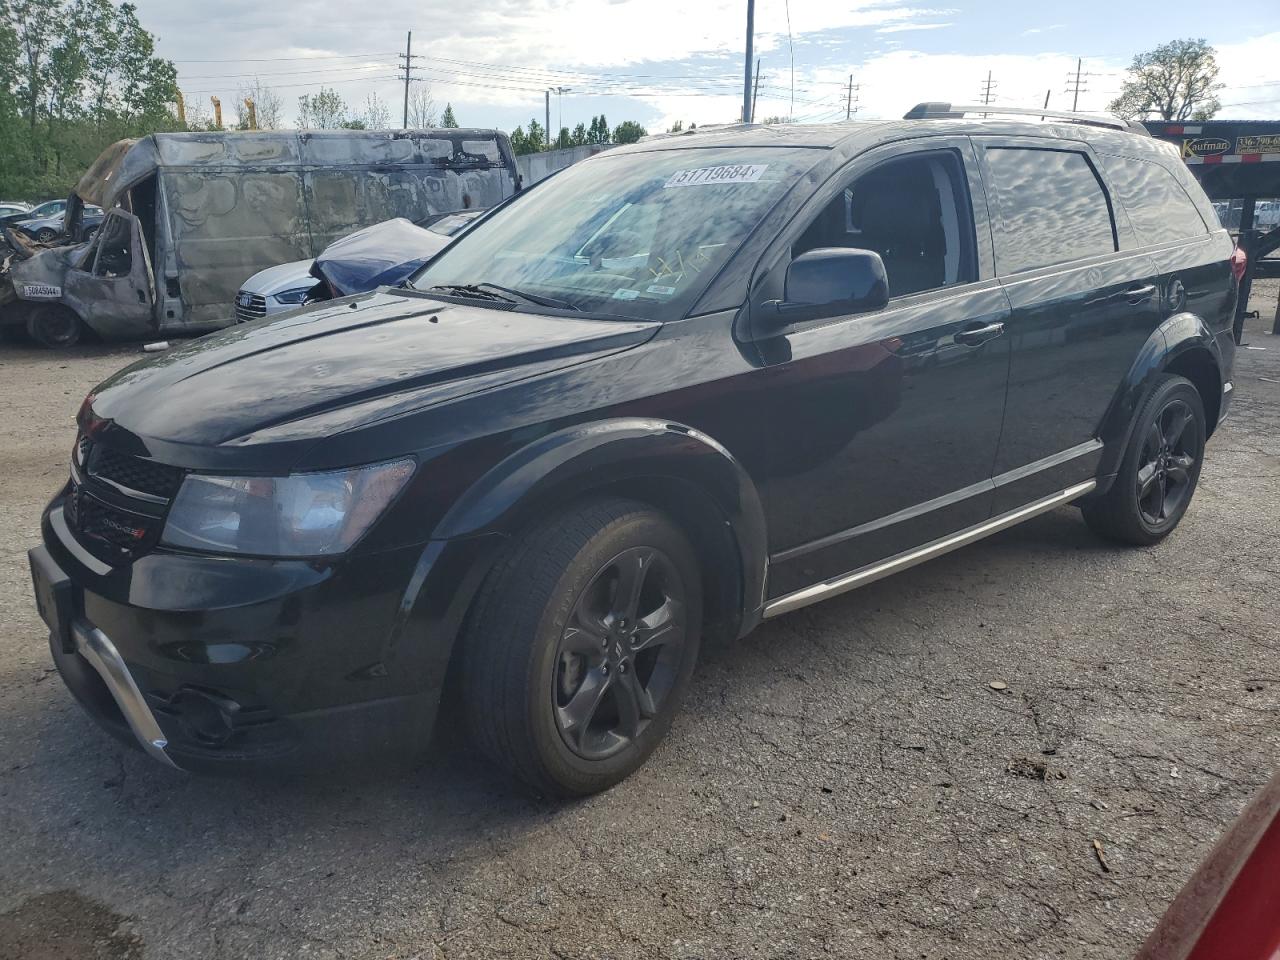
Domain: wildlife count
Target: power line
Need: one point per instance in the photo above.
(343, 56)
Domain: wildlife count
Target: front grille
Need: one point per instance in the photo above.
(250, 306)
(121, 519)
(135, 473)
(116, 534)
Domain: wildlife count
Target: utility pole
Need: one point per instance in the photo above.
(408, 57)
(755, 91)
(849, 108)
(1046, 101)
(746, 69)
(547, 135)
(1075, 84)
(988, 90)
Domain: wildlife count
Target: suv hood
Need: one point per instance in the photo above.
(315, 373)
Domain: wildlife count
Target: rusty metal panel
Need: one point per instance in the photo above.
(228, 224)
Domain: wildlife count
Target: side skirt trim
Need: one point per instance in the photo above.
(904, 561)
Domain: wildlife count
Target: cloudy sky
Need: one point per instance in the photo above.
(658, 61)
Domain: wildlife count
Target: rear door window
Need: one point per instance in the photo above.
(1051, 208)
(1158, 207)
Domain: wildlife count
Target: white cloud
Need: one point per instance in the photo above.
(903, 27)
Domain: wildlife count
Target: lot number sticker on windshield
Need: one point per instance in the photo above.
(728, 173)
(41, 291)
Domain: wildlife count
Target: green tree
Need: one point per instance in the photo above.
(519, 142)
(325, 110)
(628, 131)
(448, 119)
(599, 130)
(564, 140)
(1175, 81)
(579, 136)
(537, 136)
(676, 127)
(75, 75)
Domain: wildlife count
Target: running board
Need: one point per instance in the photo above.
(904, 561)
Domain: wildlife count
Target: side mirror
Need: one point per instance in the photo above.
(830, 282)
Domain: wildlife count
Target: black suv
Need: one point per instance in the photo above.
(676, 389)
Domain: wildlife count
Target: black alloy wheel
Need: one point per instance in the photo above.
(619, 654)
(580, 645)
(1159, 470)
(1170, 455)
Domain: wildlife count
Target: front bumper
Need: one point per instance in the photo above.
(213, 665)
(101, 654)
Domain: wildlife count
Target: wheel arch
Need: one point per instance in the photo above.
(1183, 345)
(673, 467)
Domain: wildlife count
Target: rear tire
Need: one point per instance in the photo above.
(581, 645)
(1160, 468)
(54, 325)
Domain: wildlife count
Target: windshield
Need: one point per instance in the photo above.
(638, 235)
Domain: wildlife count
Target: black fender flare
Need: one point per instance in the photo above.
(553, 470)
(1180, 335)
(577, 460)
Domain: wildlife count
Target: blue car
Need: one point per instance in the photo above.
(382, 255)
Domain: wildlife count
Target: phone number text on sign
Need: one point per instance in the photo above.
(728, 173)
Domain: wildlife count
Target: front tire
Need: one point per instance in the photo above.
(54, 325)
(1159, 470)
(581, 645)
(46, 235)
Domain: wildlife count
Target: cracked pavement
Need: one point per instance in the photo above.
(843, 782)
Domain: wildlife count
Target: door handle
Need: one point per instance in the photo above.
(972, 336)
(1137, 294)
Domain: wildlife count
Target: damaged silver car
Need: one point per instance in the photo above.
(190, 216)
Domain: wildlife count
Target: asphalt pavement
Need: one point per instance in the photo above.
(1018, 750)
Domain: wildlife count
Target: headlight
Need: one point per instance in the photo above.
(293, 296)
(301, 515)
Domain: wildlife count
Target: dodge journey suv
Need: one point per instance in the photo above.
(677, 389)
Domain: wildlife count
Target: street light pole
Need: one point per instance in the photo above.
(746, 68)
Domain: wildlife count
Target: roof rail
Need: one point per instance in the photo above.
(948, 111)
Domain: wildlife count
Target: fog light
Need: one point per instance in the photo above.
(207, 717)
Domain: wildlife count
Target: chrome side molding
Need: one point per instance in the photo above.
(903, 561)
(97, 648)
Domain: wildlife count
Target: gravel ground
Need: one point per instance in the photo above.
(844, 782)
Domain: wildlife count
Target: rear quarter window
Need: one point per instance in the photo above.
(1158, 207)
(1051, 208)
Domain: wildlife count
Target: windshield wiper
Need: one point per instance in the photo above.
(534, 298)
(473, 291)
(501, 294)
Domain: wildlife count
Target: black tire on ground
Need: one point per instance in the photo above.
(559, 687)
(54, 325)
(46, 235)
(1159, 470)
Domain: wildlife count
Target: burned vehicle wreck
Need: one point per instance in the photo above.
(191, 215)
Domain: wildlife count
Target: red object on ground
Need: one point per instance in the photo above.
(1238, 261)
(1230, 908)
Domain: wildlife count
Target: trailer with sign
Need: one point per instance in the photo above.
(1235, 160)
